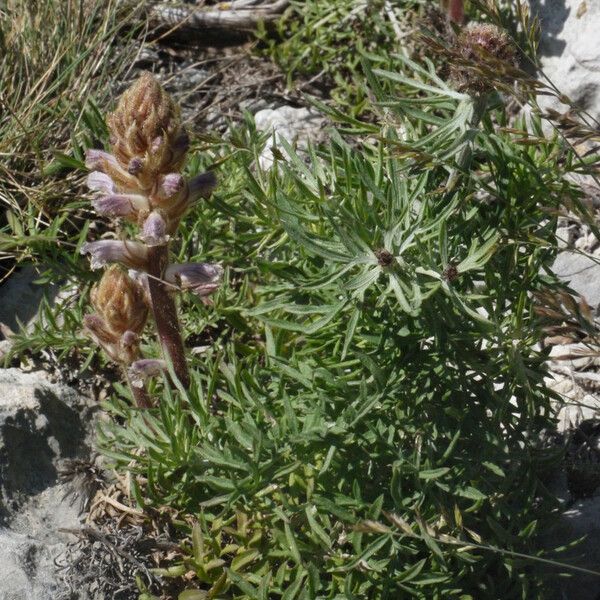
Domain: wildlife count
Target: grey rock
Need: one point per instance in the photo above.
(295, 125)
(568, 50)
(581, 273)
(577, 403)
(41, 425)
(20, 297)
(579, 520)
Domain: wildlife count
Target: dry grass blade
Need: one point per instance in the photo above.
(55, 57)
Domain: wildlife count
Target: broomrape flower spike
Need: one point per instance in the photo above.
(140, 180)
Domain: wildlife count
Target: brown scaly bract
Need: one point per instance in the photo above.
(146, 133)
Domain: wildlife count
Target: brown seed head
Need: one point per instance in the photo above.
(384, 257)
(146, 132)
(450, 272)
(120, 302)
(482, 52)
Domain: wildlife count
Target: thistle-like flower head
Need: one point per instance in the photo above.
(483, 53)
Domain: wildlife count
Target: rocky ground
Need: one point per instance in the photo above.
(571, 61)
(48, 477)
(43, 426)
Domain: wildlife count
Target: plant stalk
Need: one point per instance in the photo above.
(165, 313)
(464, 158)
(140, 395)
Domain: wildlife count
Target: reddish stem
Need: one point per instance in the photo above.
(165, 313)
(456, 11)
(140, 395)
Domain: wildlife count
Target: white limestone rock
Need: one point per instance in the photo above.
(569, 51)
(295, 125)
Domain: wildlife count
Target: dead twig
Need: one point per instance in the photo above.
(240, 16)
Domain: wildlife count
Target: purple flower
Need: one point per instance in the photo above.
(130, 254)
(171, 184)
(120, 205)
(96, 160)
(144, 368)
(100, 182)
(200, 278)
(154, 232)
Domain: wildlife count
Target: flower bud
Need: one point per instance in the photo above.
(135, 166)
(119, 301)
(130, 254)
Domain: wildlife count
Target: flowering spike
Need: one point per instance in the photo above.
(141, 181)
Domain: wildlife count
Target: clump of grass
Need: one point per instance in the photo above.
(57, 59)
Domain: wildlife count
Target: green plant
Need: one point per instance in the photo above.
(322, 43)
(364, 420)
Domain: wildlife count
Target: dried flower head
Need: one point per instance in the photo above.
(120, 302)
(483, 53)
(384, 257)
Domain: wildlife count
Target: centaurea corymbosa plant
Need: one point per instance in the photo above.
(141, 181)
